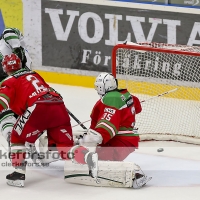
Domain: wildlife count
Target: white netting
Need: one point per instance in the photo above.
(172, 46)
(148, 72)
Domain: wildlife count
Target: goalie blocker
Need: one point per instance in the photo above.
(110, 174)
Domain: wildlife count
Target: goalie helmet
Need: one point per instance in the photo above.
(105, 82)
(11, 63)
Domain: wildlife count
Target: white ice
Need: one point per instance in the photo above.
(175, 171)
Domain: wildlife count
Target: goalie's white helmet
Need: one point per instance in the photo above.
(105, 82)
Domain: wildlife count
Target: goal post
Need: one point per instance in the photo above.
(150, 69)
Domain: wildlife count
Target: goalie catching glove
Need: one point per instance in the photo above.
(90, 139)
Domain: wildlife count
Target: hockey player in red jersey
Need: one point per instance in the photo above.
(39, 108)
(113, 118)
(112, 123)
(12, 41)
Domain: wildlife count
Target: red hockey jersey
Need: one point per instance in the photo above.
(21, 90)
(114, 114)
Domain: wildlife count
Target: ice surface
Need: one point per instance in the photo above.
(175, 171)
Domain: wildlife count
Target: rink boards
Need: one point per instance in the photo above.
(183, 92)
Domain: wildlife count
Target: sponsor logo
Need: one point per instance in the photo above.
(123, 98)
(33, 133)
(109, 110)
(129, 102)
(156, 64)
(38, 92)
(11, 62)
(191, 2)
(67, 134)
(133, 110)
(21, 73)
(22, 121)
(63, 130)
(83, 20)
(84, 38)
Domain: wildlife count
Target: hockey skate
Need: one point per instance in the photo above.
(92, 162)
(140, 180)
(17, 178)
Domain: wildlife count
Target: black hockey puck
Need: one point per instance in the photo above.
(160, 150)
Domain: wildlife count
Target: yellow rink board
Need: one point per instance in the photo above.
(68, 79)
(12, 11)
(155, 89)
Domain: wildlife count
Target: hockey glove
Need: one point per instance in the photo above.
(91, 139)
(20, 52)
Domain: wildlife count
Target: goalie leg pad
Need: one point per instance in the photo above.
(46, 156)
(140, 180)
(110, 174)
(7, 121)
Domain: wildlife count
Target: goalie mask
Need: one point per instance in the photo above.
(105, 82)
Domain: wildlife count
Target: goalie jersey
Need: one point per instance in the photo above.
(114, 115)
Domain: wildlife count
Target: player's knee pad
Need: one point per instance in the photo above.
(7, 122)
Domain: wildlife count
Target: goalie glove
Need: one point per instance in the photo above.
(91, 139)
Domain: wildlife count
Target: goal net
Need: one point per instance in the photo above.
(166, 79)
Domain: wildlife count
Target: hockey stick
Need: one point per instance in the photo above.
(81, 123)
(75, 119)
(143, 101)
(159, 95)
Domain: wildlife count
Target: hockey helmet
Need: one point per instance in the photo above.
(11, 63)
(105, 82)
